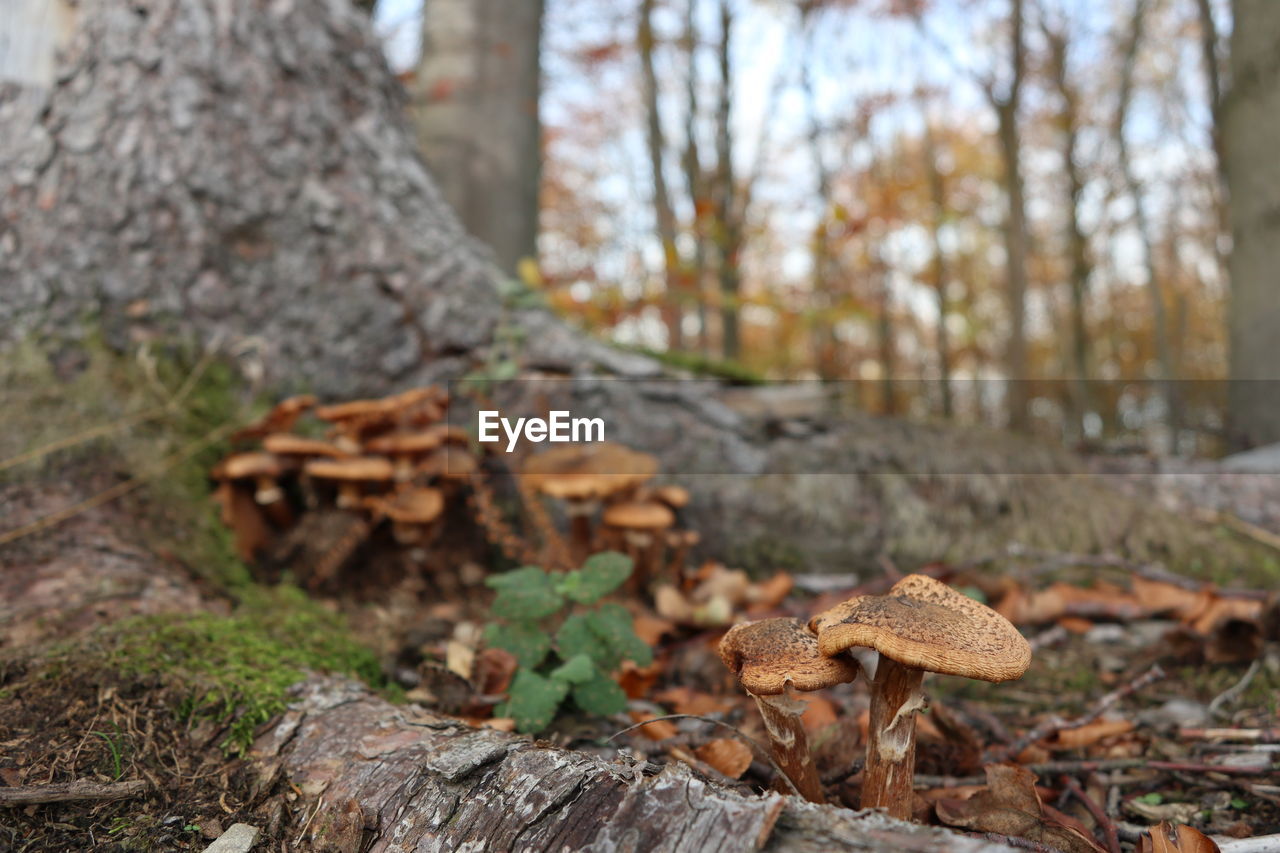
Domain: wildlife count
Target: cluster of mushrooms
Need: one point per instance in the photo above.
(919, 626)
(396, 460)
(611, 503)
(393, 459)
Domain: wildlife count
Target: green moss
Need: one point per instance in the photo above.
(764, 555)
(701, 365)
(233, 671)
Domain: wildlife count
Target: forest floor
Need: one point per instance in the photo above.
(136, 648)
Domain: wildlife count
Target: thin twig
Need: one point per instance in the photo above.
(1055, 724)
(1099, 814)
(759, 749)
(1233, 693)
(62, 792)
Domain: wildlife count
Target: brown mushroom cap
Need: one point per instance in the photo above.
(638, 515)
(240, 466)
(925, 624)
(404, 443)
(356, 468)
(288, 444)
(770, 654)
(351, 409)
(675, 497)
(417, 506)
(588, 471)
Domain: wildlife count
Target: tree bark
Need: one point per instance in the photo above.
(1250, 127)
(476, 93)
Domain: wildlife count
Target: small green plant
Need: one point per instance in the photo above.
(566, 643)
(113, 742)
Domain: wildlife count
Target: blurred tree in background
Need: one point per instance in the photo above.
(903, 193)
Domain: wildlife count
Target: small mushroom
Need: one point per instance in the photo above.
(350, 474)
(281, 418)
(642, 526)
(404, 449)
(265, 470)
(676, 497)
(772, 658)
(920, 625)
(583, 475)
(412, 513)
(288, 444)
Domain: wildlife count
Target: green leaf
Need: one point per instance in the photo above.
(527, 642)
(600, 575)
(525, 594)
(612, 624)
(1152, 799)
(1237, 803)
(600, 695)
(533, 700)
(576, 670)
(575, 637)
(605, 635)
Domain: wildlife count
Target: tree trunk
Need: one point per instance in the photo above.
(729, 226)
(664, 215)
(1015, 228)
(941, 277)
(476, 108)
(695, 180)
(1160, 324)
(1077, 243)
(1251, 124)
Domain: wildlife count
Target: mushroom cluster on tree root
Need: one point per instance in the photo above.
(920, 625)
(388, 460)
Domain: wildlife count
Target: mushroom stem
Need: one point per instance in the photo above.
(579, 513)
(781, 715)
(891, 741)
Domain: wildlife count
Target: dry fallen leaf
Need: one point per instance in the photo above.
(730, 756)
(1169, 838)
(492, 671)
(686, 700)
(819, 713)
(1009, 805)
(1088, 734)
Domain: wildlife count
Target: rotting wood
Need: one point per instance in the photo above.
(425, 783)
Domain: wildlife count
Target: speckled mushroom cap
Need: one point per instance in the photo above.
(588, 471)
(768, 654)
(926, 624)
(639, 515)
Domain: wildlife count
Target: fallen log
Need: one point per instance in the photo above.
(400, 779)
